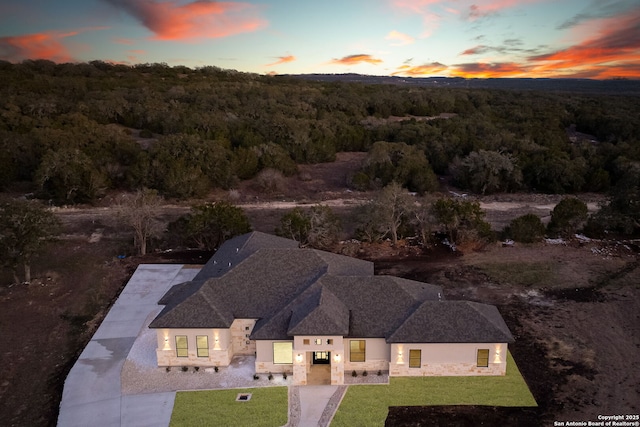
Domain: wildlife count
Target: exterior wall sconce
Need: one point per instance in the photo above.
(299, 358)
(400, 361)
(166, 343)
(336, 357)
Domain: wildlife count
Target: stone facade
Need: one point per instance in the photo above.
(218, 340)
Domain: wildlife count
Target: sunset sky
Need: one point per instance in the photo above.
(419, 38)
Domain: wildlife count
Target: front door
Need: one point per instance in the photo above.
(321, 357)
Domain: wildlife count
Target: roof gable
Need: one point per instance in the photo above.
(320, 313)
(452, 322)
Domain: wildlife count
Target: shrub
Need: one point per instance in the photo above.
(168, 368)
(364, 374)
(196, 368)
(567, 217)
(284, 375)
(379, 373)
(184, 368)
(270, 376)
(215, 368)
(526, 229)
(354, 373)
(256, 377)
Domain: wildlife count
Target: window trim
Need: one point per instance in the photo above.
(273, 348)
(412, 358)
(359, 351)
(202, 351)
(182, 351)
(482, 361)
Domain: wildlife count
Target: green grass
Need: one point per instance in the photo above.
(536, 274)
(367, 405)
(268, 407)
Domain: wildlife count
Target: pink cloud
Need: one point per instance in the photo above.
(356, 59)
(434, 11)
(45, 45)
(282, 60)
(400, 39)
(200, 19)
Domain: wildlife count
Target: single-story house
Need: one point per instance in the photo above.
(295, 308)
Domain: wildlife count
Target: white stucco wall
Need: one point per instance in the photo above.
(448, 359)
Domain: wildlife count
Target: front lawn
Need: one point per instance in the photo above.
(268, 407)
(367, 405)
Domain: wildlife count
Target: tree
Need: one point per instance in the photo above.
(295, 225)
(462, 220)
(398, 162)
(25, 228)
(385, 215)
(487, 172)
(422, 218)
(621, 213)
(68, 175)
(211, 224)
(319, 228)
(140, 210)
(526, 229)
(567, 217)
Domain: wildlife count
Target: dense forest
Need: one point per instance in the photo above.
(71, 132)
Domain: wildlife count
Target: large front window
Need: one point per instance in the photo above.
(357, 350)
(182, 346)
(282, 353)
(202, 342)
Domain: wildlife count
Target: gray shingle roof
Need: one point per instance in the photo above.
(320, 313)
(292, 291)
(452, 322)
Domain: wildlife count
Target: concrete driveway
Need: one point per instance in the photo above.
(92, 393)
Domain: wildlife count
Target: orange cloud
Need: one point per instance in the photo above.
(45, 45)
(357, 59)
(282, 60)
(486, 71)
(614, 52)
(400, 38)
(434, 68)
(200, 19)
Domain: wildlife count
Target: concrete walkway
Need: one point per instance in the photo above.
(313, 401)
(92, 393)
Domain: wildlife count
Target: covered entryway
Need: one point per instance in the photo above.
(320, 369)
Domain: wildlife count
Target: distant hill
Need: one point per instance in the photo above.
(613, 86)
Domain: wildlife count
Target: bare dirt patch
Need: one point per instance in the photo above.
(577, 336)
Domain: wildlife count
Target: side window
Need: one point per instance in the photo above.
(182, 346)
(483, 358)
(415, 358)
